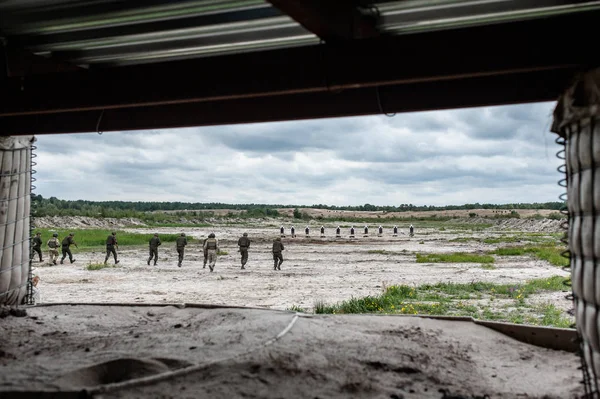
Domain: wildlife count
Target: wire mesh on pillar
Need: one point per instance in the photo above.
(576, 121)
(15, 192)
(29, 299)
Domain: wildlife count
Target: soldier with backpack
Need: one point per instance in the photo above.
(211, 245)
(180, 243)
(66, 250)
(53, 245)
(111, 243)
(153, 245)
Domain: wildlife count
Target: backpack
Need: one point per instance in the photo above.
(53, 243)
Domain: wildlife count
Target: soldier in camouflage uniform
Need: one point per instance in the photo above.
(53, 245)
(66, 250)
(36, 246)
(181, 242)
(244, 244)
(154, 244)
(211, 245)
(111, 243)
(277, 255)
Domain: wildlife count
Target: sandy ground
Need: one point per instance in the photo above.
(315, 269)
(170, 352)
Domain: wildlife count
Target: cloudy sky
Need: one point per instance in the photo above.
(487, 155)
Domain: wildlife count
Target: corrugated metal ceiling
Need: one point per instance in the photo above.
(109, 32)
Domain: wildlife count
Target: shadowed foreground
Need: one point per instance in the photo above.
(171, 351)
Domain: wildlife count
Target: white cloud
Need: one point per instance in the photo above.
(494, 154)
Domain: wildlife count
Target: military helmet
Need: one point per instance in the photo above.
(278, 239)
(245, 234)
(156, 234)
(71, 234)
(114, 233)
(183, 234)
(55, 235)
(211, 235)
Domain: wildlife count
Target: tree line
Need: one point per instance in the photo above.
(57, 207)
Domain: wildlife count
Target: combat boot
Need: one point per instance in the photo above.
(179, 264)
(149, 262)
(54, 261)
(117, 262)
(73, 260)
(278, 267)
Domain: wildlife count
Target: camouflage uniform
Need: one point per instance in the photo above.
(277, 255)
(181, 243)
(244, 244)
(53, 245)
(66, 250)
(36, 246)
(211, 245)
(111, 243)
(154, 244)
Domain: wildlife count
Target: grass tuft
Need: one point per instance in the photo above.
(456, 257)
(98, 266)
(296, 308)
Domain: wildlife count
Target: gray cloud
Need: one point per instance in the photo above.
(494, 154)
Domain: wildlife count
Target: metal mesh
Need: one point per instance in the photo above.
(15, 191)
(576, 121)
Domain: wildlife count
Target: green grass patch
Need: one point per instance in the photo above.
(98, 266)
(502, 239)
(488, 266)
(296, 308)
(93, 238)
(456, 257)
(460, 300)
(549, 253)
(219, 252)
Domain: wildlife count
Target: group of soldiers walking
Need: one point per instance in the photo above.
(338, 231)
(210, 246)
(53, 244)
